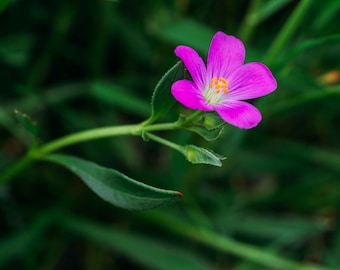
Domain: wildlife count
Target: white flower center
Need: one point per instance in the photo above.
(217, 88)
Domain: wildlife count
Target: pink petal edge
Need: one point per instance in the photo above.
(187, 93)
(240, 114)
(251, 80)
(193, 63)
(226, 53)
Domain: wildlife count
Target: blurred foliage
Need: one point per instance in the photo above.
(73, 65)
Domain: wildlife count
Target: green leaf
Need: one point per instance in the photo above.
(162, 99)
(198, 155)
(208, 135)
(210, 127)
(147, 252)
(115, 187)
(28, 124)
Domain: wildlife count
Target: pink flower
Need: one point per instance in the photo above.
(225, 82)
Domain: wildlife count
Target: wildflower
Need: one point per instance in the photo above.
(225, 82)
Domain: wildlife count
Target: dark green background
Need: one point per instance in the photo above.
(74, 65)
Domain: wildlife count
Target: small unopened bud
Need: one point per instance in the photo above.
(212, 121)
(198, 155)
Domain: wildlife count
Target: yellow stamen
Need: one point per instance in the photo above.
(219, 84)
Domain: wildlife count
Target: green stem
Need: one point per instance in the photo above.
(172, 145)
(287, 31)
(192, 118)
(86, 135)
(97, 133)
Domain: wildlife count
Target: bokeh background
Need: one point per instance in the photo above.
(75, 65)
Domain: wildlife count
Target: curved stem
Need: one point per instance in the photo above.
(172, 145)
(87, 135)
(98, 133)
(74, 138)
(92, 134)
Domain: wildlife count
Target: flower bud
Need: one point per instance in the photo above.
(198, 155)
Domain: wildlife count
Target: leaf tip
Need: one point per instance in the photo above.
(27, 122)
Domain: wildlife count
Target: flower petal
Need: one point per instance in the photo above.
(251, 80)
(187, 93)
(194, 64)
(226, 53)
(240, 114)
